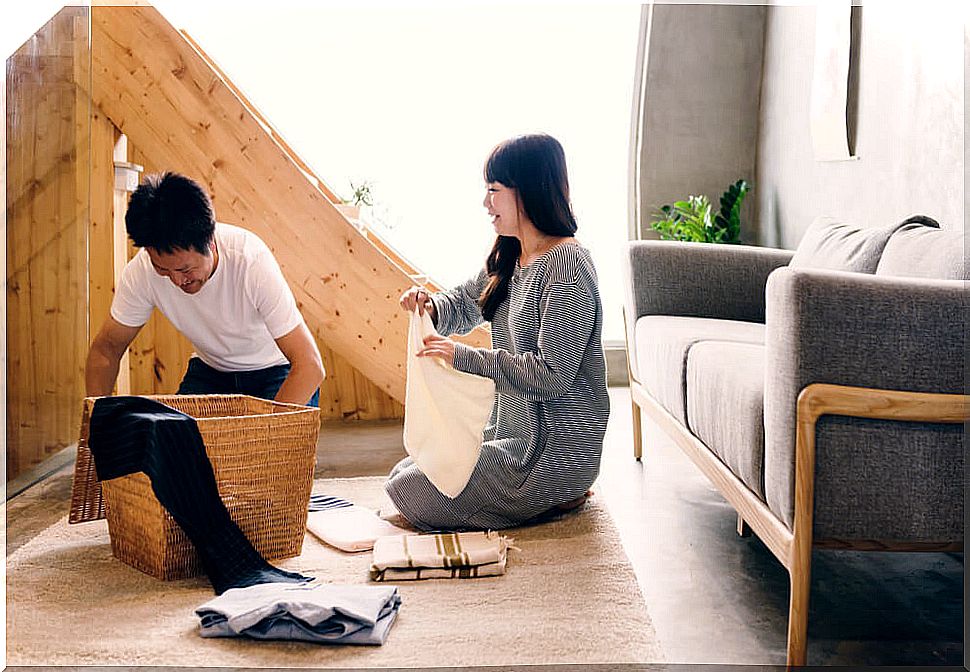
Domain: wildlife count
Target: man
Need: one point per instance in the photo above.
(220, 286)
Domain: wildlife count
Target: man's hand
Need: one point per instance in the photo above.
(104, 357)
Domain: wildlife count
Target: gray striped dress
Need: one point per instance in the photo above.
(543, 442)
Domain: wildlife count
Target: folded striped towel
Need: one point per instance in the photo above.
(453, 555)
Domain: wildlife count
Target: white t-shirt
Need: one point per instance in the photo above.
(234, 319)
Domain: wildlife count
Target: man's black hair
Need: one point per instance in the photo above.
(170, 211)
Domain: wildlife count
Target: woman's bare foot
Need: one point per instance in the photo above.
(396, 519)
(574, 503)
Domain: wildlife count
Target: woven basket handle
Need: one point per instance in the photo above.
(86, 501)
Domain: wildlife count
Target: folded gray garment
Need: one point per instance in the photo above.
(323, 613)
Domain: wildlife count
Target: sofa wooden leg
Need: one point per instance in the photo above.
(800, 574)
(743, 529)
(637, 432)
(800, 558)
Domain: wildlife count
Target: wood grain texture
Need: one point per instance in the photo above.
(47, 133)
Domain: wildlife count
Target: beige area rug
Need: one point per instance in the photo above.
(569, 596)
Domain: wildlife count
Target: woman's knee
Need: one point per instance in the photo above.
(399, 467)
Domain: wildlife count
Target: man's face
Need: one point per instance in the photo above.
(187, 269)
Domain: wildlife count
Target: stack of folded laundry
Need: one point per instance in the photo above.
(323, 613)
(453, 555)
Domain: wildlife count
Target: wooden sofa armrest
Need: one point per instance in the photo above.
(820, 399)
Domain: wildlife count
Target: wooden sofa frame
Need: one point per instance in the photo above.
(793, 547)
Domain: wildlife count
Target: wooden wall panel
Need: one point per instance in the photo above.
(346, 394)
(48, 139)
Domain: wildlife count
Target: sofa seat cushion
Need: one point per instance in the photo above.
(725, 406)
(663, 343)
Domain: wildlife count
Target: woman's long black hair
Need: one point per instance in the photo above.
(535, 166)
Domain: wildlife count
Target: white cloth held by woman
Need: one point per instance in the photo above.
(445, 413)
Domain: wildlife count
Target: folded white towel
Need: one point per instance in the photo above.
(351, 528)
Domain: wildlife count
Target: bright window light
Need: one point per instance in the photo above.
(412, 97)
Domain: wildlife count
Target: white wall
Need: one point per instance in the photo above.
(910, 131)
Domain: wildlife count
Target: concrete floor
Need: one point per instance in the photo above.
(714, 597)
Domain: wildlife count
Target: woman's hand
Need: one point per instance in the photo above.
(440, 347)
(418, 296)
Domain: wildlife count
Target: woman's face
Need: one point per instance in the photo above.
(502, 204)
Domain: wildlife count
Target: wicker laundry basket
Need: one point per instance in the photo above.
(262, 453)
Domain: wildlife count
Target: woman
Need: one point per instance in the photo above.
(543, 443)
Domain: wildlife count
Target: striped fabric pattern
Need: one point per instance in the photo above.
(460, 555)
(543, 442)
(321, 502)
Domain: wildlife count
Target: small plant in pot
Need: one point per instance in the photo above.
(361, 195)
(693, 220)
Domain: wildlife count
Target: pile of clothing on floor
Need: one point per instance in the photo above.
(322, 613)
(254, 598)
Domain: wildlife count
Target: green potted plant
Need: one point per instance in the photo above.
(693, 220)
(361, 195)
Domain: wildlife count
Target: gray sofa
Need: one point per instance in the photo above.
(822, 391)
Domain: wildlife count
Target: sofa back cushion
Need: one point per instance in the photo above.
(837, 246)
(919, 251)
